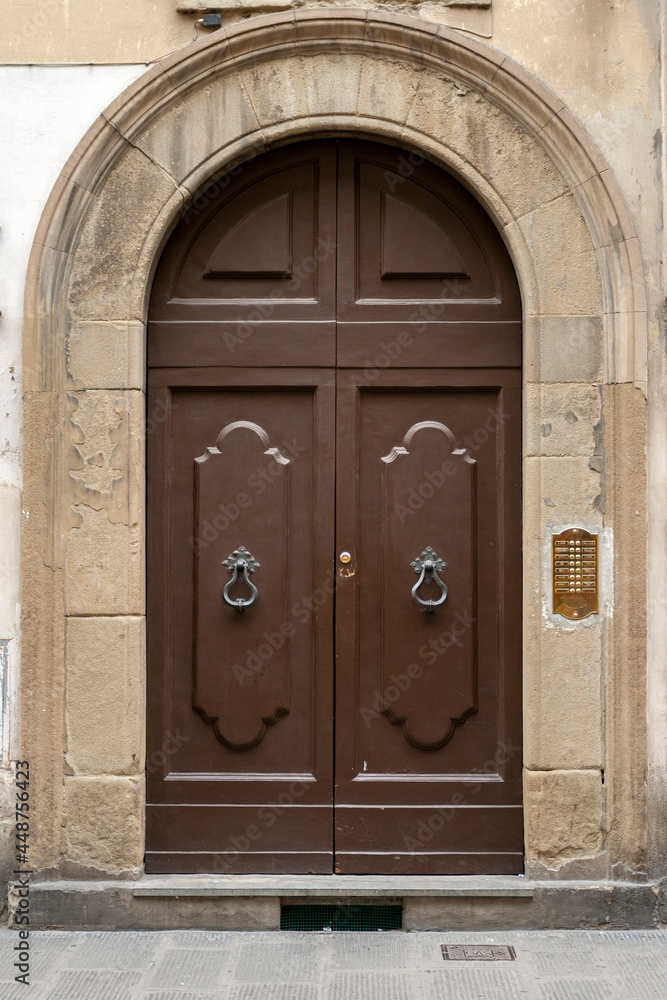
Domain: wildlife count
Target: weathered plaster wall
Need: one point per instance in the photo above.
(133, 31)
(44, 112)
(121, 31)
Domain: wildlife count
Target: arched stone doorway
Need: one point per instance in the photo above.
(264, 83)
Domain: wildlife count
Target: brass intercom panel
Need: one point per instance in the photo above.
(575, 573)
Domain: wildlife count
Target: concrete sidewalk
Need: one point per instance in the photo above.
(279, 965)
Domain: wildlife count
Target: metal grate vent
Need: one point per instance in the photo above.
(340, 917)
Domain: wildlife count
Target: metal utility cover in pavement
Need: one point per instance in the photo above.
(478, 952)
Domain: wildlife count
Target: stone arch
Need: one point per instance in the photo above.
(187, 121)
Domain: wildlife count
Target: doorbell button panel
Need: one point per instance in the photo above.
(575, 573)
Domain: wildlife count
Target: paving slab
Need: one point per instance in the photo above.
(338, 965)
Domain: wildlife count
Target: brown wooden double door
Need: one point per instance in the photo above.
(334, 395)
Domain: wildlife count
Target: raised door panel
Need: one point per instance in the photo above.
(428, 728)
(242, 494)
(244, 469)
(424, 278)
(248, 276)
(423, 463)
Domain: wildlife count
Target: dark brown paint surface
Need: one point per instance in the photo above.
(334, 358)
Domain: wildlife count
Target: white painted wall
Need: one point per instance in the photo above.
(44, 112)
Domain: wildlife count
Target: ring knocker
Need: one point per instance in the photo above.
(427, 567)
(240, 564)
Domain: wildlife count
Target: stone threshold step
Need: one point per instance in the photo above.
(253, 902)
(332, 886)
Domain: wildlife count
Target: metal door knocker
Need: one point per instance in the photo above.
(240, 563)
(427, 567)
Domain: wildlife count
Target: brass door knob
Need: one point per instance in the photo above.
(345, 557)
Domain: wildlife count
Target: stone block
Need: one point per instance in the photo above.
(612, 217)
(564, 349)
(563, 815)
(202, 122)
(383, 94)
(43, 288)
(587, 869)
(107, 282)
(562, 699)
(69, 201)
(564, 134)
(564, 259)
(109, 905)
(105, 462)
(104, 566)
(626, 683)
(382, 31)
(104, 822)
(105, 452)
(230, 914)
(331, 82)
(560, 491)
(489, 140)
(436, 914)
(561, 419)
(42, 671)
(626, 360)
(105, 712)
(106, 356)
(514, 86)
(279, 91)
